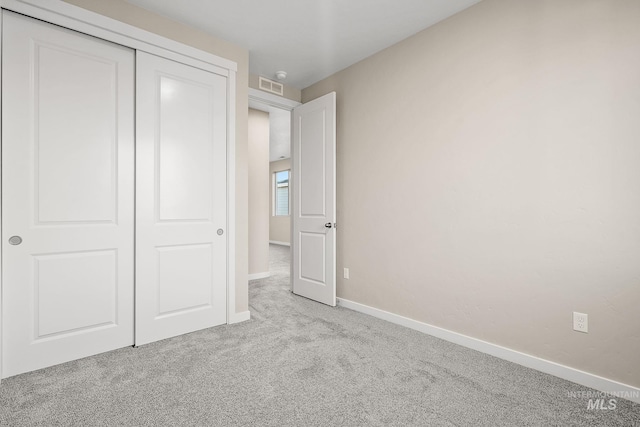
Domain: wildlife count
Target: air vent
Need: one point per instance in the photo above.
(271, 86)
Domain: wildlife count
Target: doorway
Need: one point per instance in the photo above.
(312, 182)
(275, 208)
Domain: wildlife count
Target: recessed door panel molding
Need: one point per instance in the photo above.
(185, 124)
(67, 195)
(185, 276)
(74, 183)
(181, 184)
(314, 209)
(74, 291)
(311, 248)
(312, 158)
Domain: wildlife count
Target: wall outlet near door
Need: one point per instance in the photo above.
(580, 322)
(346, 273)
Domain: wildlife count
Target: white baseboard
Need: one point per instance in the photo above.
(275, 242)
(580, 377)
(239, 317)
(257, 276)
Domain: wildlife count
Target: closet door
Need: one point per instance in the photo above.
(180, 199)
(67, 195)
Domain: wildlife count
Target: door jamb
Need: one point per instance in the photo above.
(267, 99)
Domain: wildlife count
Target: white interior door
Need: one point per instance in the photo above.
(67, 195)
(180, 199)
(313, 240)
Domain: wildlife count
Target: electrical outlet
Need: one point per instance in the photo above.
(346, 273)
(580, 322)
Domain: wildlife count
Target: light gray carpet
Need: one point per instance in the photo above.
(298, 363)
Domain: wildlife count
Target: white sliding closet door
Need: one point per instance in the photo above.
(67, 195)
(180, 199)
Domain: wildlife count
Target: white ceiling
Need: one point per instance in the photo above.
(309, 39)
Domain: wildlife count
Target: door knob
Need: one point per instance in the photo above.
(328, 225)
(15, 240)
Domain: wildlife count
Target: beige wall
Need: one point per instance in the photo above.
(288, 91)
(130, 14)
(258, 192)
(279, 226)
(489, 179)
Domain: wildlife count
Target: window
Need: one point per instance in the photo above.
(281, 193)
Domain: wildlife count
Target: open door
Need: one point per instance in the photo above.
(313, 241)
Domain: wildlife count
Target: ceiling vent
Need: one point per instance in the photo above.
(271, 86)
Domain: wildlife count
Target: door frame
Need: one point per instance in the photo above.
(78, 19)
(262, 100)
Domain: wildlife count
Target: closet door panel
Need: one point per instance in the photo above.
(181, 199)
(67, 196)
